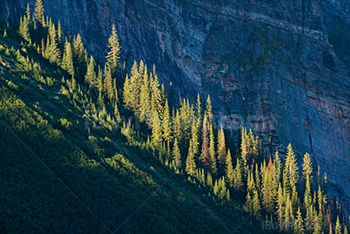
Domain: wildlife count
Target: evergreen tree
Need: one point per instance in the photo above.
(205, 144)
(244, 149)
(212, 157)
(113, 55)
(145, 96)
(90, 76)
(108, 83)
(115, 91)
(126, 92)
(166, 124)
(280, 205)
(199, 110)
(59, 33)
(156, 131)
(39, 12)
(194, 136)
(221, 149)
(268, 190)
(177, 126)
(67, 61)
(135, 83)
(177, 154)
(307, 168)
(28, 14)
(256, 204)
(229, 170)
(155, 92)
(79, 57)
(237, 181)
(190, 161)
(53, 52)
(209, 111)
(299, 226)
(24, 29)
(277, 165)
(290, 171)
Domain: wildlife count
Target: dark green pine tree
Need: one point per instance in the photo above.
(79, 58)
(113, 56)
(67, 60)
(177, 154)
(205, 144)
(212, 156)
(229, 169)
(190, 161)
(90, 76)
(40, 12)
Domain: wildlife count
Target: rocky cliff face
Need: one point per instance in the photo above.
(279, 67)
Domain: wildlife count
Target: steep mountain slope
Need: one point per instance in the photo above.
(279, 67)
(59, 174)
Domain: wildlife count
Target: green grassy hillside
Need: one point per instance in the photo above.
(59, 174)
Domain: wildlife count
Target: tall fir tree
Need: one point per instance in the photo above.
(108, 83)
(205, 144)
(113, 56)
(67, 61)
(127, 92)
(212, 156)
(155, 92)
(166, 124)
(221, 150)
(79, 58)
(156, 131)
(145, 96)
(90, 76)
(290, 171)
(237, 180)
(229, 169)
(24, 29)
(190, 161)
(307, 168)
(177, 154)
(40, 12)
(209, 111)
(53, 52)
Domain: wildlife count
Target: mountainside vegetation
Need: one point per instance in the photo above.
(92, 147)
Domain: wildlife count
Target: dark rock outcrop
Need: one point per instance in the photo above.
(279, 67)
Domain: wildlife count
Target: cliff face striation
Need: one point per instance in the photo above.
(279, 67)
